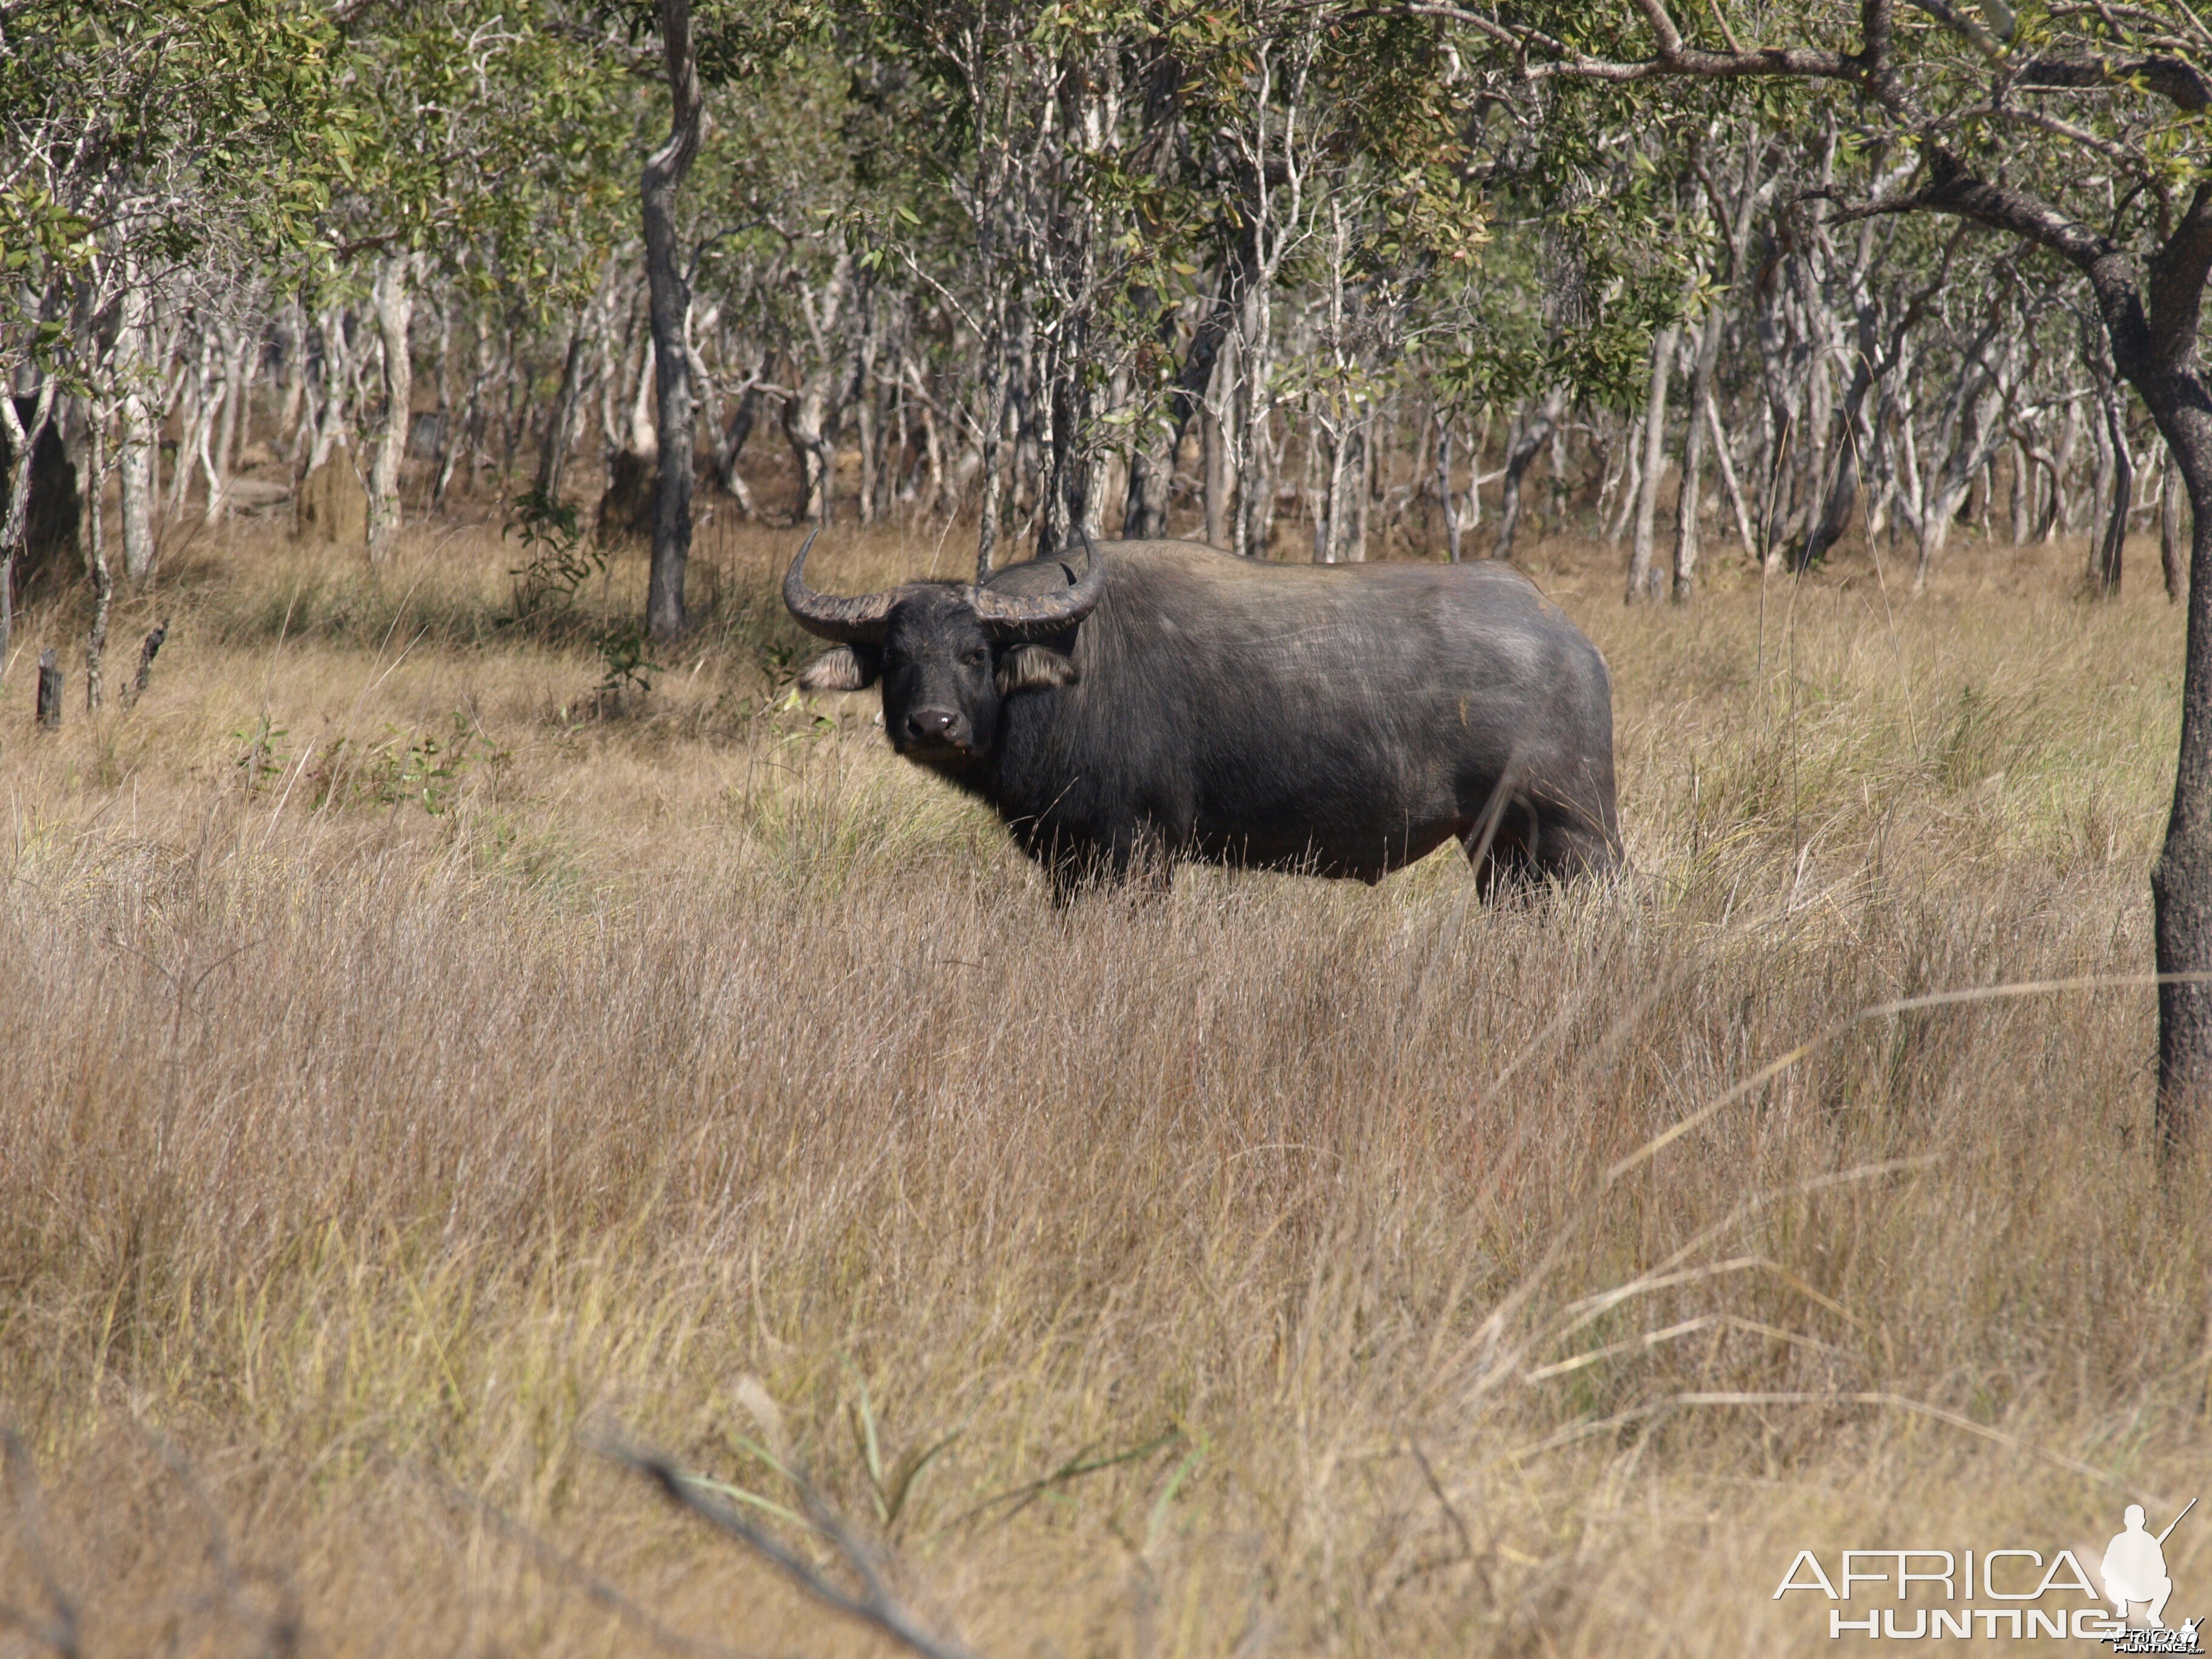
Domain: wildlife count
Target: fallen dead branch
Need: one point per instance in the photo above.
(874, 1603)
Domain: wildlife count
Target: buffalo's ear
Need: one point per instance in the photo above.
(1028, 667)
(842, 668)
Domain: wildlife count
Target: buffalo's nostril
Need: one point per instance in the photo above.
(931, 722)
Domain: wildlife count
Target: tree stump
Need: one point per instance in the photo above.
(50, 692)
(146, 654)
(627, 507)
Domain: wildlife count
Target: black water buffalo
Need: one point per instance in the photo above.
(1177, 703)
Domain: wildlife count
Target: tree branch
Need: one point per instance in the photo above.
(2176, 284)
(1965, 27)
(2178, 82)
(2119, 155)
(1675, 57)
(874, 1605)
(1954, 189)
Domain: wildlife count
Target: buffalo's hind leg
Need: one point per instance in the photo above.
(1528, 848)
(1500, 862)
(1574, 852)
(1501, 844)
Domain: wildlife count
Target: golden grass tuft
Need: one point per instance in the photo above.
(412, 1060)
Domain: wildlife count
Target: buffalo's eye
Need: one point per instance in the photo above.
(976, 658)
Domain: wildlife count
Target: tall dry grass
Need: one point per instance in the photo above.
(414, 1063)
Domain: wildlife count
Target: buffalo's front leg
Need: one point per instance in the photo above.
(1133, 855)
(1138, 854)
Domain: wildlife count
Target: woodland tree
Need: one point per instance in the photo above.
(2074, 130)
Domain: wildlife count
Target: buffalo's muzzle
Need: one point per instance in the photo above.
(936, 728)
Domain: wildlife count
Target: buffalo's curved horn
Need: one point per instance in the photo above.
(851, 621)
(1029, 621)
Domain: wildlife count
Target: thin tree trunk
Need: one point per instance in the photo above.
(1725, 462)
(992, 441)
(613, 364)
(448, 453)
(1693, 456)
(933, 453)
(1254, 436)
(296, 380)
(213, 396)
(670, 305)
(1364, 475)
(864, 413)
(2058, 509)
(395, 312)
(338, 367)
(1213, 462)
(1342, 535)
(1779, 473)
(644, 437)
(237, 416)
(1471, 503)
(1631, 481)
(1447, 504)
(21, 444)
(1641, 582)
(1347, 525)
(191, 404)
(95, 558)
(135, 460)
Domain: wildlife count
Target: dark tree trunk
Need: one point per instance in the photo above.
(670, 306)
(2151, 317)
(2112, 546)
(2151, 321)
(1853, 437)
(560, 427)
(1151, 470)
(148, 649)
(2181, 882)
(1521, 452)
(733, 439)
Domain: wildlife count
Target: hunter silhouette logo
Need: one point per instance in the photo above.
(2134, 1572)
